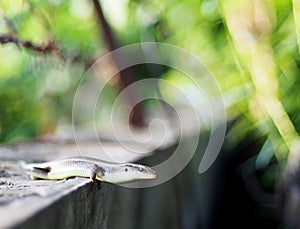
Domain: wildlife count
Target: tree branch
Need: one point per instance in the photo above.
(50, 47)
(127, 78)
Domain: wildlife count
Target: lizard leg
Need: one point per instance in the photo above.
(96, 171)
(33, 177)
(39, 172)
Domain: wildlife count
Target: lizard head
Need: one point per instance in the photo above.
(129, 172)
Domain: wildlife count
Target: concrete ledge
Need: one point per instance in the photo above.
(69, 203)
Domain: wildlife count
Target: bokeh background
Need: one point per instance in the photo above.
(250, 47)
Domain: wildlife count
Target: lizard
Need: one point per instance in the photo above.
(88, 167)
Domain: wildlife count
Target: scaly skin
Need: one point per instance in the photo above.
(88, 167)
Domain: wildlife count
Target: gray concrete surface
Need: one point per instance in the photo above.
(69, 203)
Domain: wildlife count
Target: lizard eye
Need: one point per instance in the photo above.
(126, 169)
(140, 169)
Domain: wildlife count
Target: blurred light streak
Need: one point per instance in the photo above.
(249, 25)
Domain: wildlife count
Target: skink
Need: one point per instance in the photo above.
(88, 167)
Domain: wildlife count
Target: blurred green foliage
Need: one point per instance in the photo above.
(251, 48)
